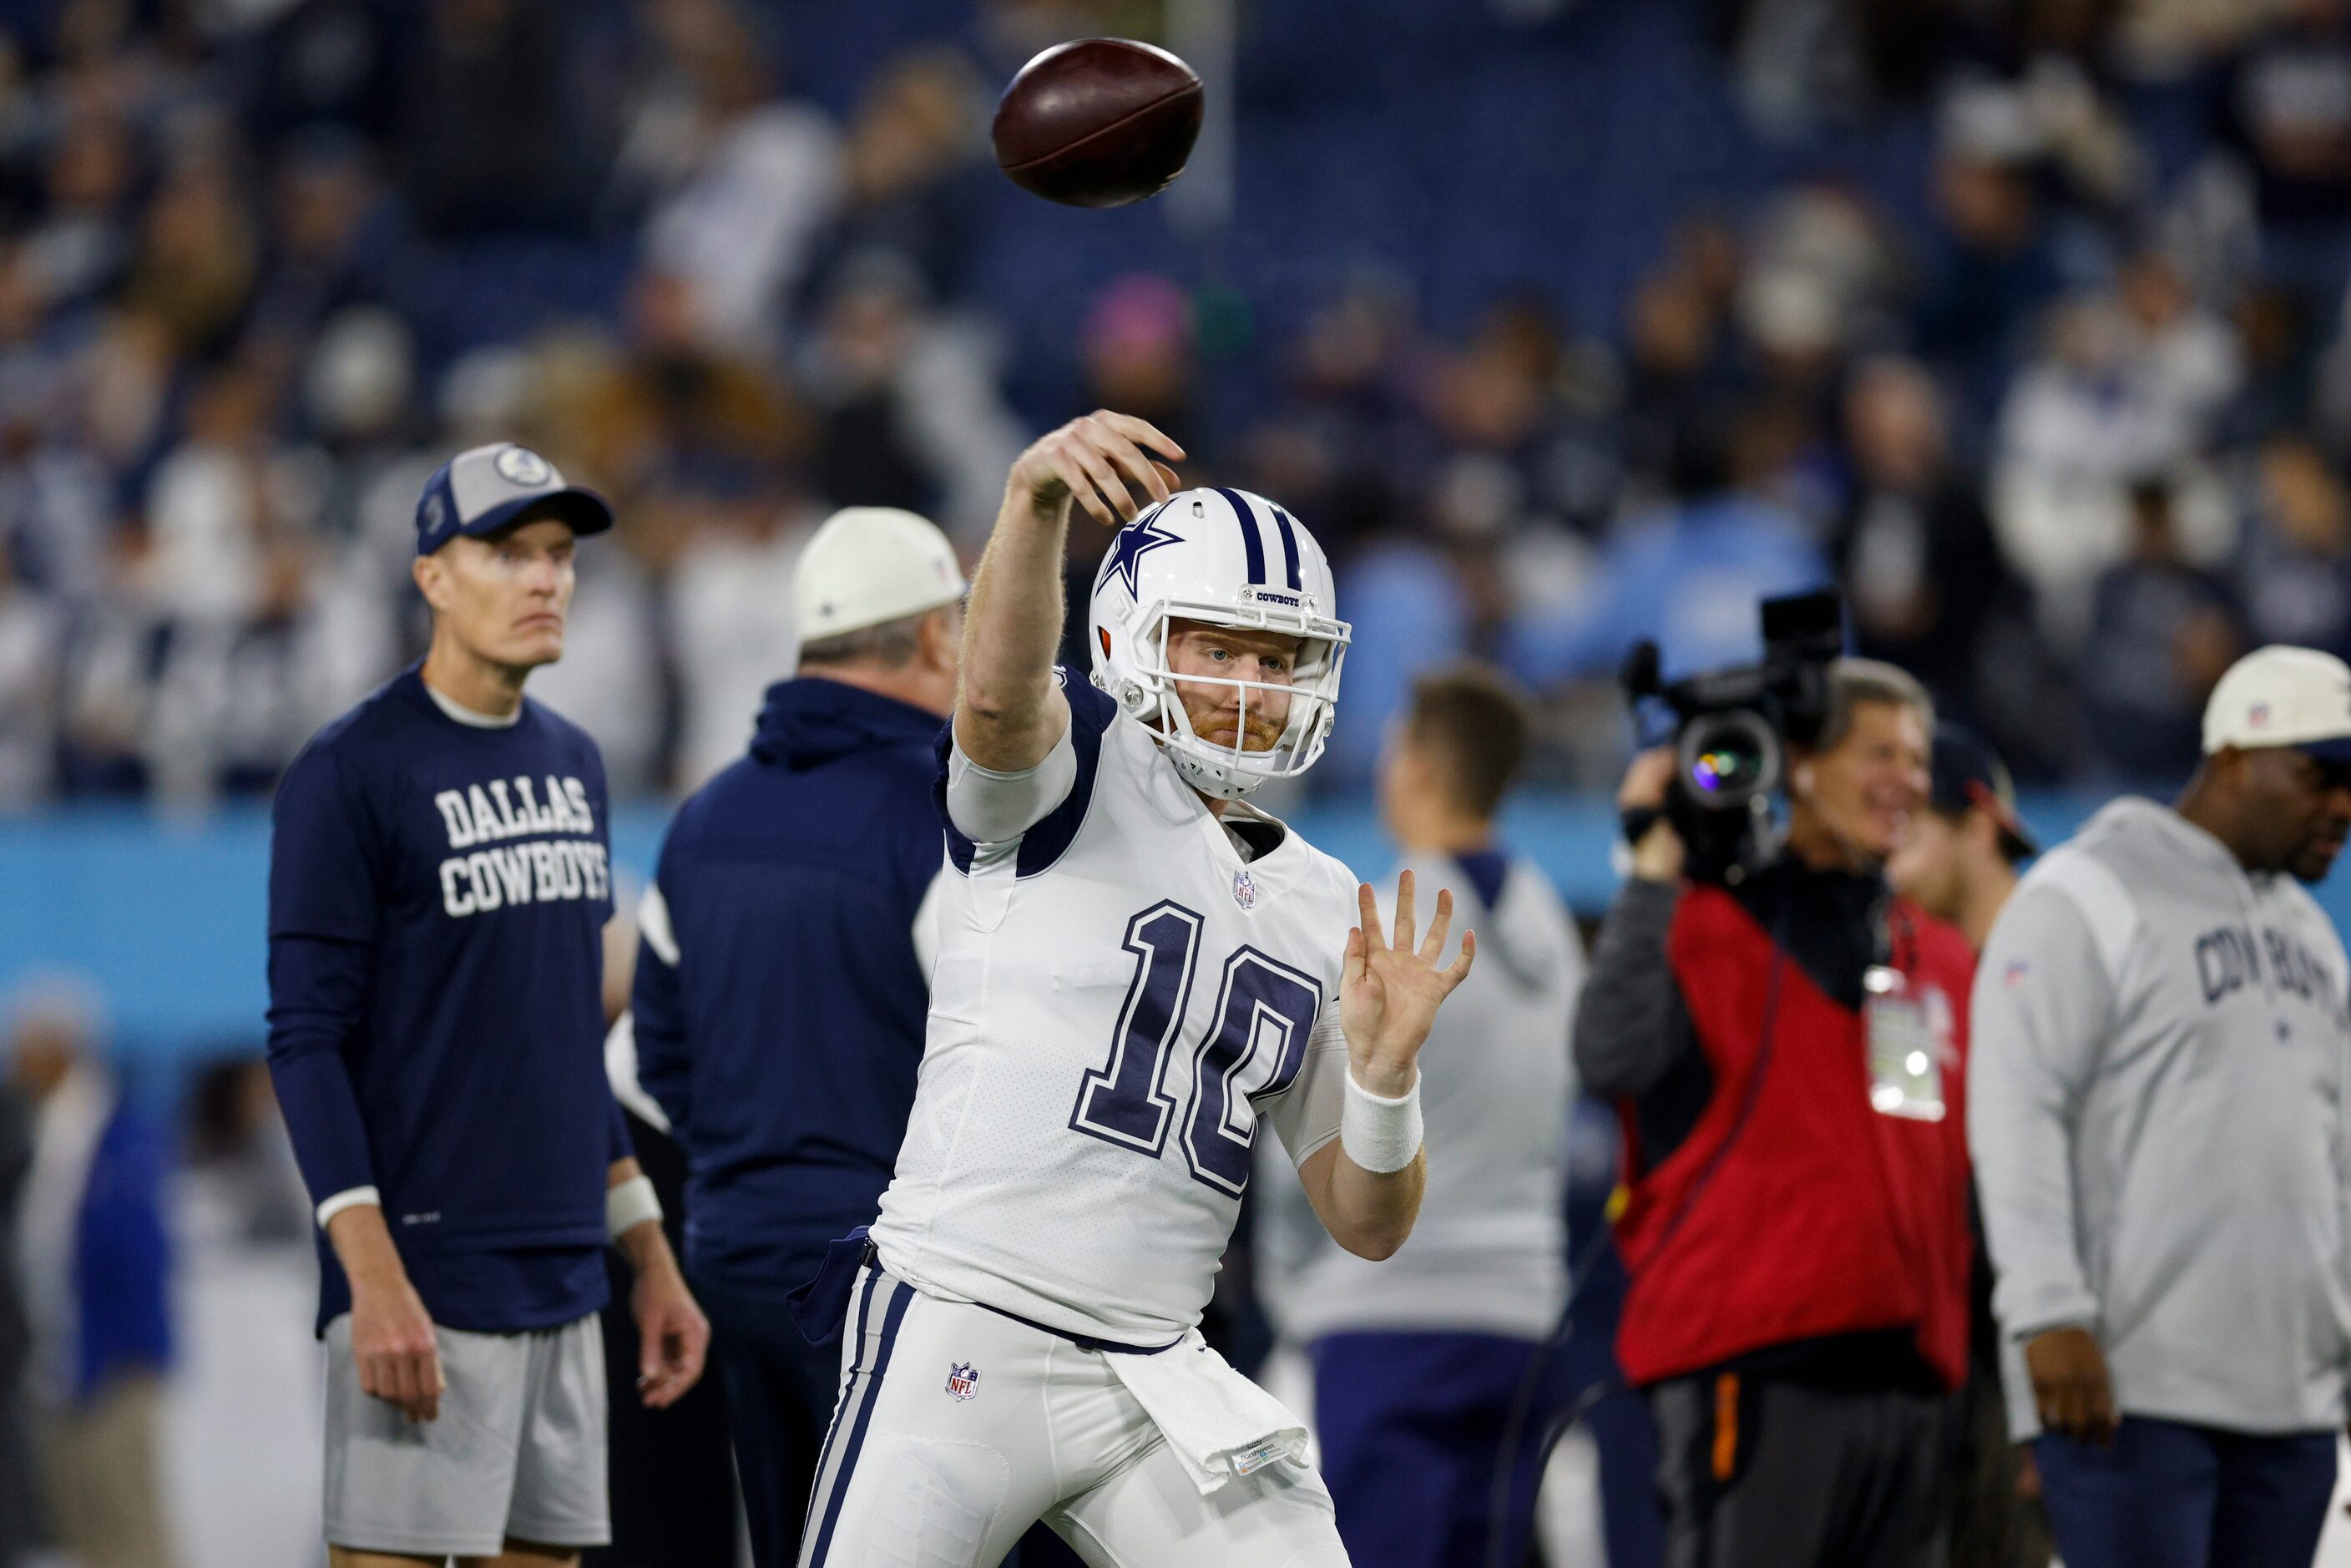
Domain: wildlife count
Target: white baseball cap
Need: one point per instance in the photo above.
(871, 564)
(2282, 697)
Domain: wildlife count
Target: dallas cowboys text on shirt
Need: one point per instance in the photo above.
(543, 871)
(2230, 957)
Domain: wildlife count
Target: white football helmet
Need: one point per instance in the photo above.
(1222, 558)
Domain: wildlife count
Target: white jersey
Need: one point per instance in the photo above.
(1120, 996)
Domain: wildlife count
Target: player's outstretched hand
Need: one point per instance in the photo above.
(673, 1336)
(1389, 991)
(1101, 461)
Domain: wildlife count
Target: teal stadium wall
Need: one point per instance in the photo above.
(167, 916)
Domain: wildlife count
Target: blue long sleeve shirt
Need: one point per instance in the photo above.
(437, 897)
(780, 999)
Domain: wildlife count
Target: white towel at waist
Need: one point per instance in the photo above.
(1219, 1424)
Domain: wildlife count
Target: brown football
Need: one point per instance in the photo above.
(1098, 123)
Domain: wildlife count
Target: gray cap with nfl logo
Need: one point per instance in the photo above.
(484, 489)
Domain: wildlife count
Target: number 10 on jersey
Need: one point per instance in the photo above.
(1264, 1011)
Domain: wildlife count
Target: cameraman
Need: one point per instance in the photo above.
(1798, 1306)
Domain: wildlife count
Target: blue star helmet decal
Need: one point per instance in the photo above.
(1134, 541)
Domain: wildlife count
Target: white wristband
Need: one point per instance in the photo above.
(349, 1198)
(1379, 1133)
(630, 1205)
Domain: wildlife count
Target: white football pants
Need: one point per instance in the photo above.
(957, 1429)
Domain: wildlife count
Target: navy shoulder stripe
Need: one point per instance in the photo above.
(1249, 540)
(1090, 707)
(961, 850)
(1092, 710)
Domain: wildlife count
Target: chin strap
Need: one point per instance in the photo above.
(1193, 772)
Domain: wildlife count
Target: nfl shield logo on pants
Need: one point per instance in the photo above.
(963, 1379)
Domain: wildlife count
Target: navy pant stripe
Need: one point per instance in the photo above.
(899, 1299)
(856, 1331)
(1249, 541)
(1289, 549)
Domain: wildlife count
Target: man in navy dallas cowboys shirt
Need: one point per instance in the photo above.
(438, 889)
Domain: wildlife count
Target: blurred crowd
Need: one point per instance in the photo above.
(155, 1275)
(2068, 428)
(2064, 402)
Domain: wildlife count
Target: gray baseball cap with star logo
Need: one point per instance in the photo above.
(484, 489)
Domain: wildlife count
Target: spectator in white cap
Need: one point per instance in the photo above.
(2156, 1103)
(783, 980)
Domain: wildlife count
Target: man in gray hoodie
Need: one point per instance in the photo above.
(2156, 1113)
(1420, 1361)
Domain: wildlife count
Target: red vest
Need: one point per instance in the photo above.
(1808, 1213)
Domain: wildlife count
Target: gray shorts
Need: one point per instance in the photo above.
(516, 1452)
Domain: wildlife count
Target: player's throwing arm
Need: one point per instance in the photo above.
(1009, 712)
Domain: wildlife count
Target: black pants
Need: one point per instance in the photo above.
(1993, 1525)
(1766, 1474)
(779, 1393)
(19, 1518)
(780, 1398)
(673, 1487)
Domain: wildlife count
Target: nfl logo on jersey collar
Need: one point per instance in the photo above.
(963, 1380)
(1244, 889)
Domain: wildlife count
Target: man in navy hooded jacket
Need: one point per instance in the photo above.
(783, 981)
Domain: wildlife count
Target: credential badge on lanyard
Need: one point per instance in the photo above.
(1906, 1045)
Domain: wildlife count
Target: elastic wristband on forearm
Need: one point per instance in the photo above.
(1380, 1134)
(630, 1205)
(349, 1198)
